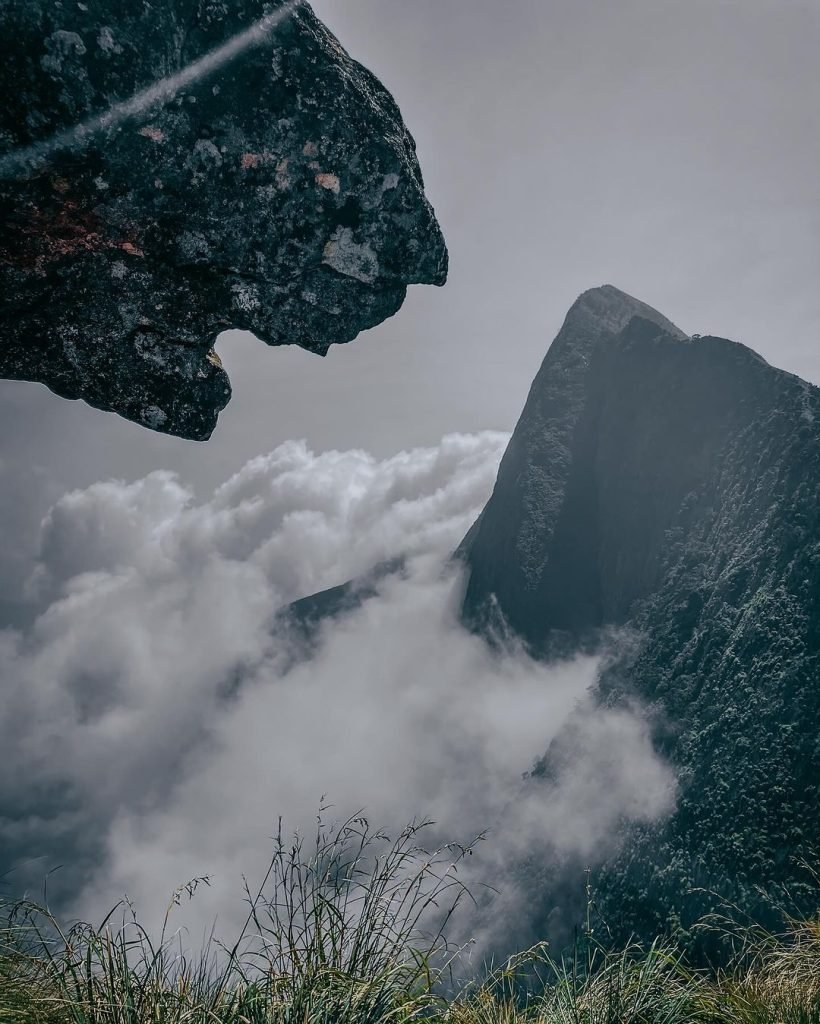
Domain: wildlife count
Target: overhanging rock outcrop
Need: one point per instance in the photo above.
(174, 168)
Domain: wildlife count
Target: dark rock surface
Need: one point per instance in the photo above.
(306, 616)
(538, 518)
(671, 486)
(298, 626)
(278, 192)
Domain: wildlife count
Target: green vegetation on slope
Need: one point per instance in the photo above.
(669, 488)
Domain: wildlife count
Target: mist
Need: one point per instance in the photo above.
(159, 720)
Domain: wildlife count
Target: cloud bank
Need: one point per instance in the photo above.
(155, 725)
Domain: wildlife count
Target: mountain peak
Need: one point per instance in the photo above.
(668, 487)
(610, 308)
(538, 463)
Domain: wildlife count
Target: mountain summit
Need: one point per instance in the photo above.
(667, 488)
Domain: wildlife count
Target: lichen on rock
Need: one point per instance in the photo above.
(277, 191)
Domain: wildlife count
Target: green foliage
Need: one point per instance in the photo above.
(729, 666)
(335, 935)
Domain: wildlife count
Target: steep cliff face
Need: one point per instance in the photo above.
(264, 181)
(672, 486)
(532, 554)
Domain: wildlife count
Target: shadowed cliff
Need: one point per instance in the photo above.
(533, 554)
(670, 486)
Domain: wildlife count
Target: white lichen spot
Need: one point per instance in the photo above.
(158, 183)
(148, 350)
(60, 45)
(118, 270)
(152, 416)
(350, 258)
(68, 338)
(282, 176)
(310, 297)
(329, 181)
(390, 182)
(216, 90)
(207, 153)
(193, 247)
(204, 157)
(100, 183)
(106, 41)
(245, 297)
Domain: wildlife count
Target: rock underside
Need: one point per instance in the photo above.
(276, 191)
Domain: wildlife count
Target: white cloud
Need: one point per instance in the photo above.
(122, 721)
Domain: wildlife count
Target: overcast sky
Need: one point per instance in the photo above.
(669, 148)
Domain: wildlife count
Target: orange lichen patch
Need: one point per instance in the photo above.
(131, 249)
(151, 131)
(329, 181)
(41, 236)
(213, 359)
(250, 160)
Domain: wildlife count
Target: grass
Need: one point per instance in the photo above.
(350, 928)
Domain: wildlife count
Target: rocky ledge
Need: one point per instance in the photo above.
(173, 168)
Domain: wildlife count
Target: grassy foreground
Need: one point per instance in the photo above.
(340, 933)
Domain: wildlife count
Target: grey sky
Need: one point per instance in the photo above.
(669, 148)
